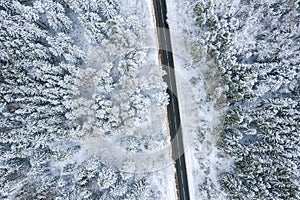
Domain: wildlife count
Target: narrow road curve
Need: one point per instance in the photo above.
(166, 59)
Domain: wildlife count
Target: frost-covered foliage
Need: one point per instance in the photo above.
(254, 46)
(120, 94)
(202, 102)
(68, 69)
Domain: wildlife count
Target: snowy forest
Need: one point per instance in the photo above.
(253, 49)
(72, 72)
(83, 100)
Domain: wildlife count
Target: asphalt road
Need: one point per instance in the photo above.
(166, 57)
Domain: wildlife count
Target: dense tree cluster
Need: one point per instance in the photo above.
(68, 67)
(254, 47)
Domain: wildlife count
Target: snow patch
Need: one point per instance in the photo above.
(199, 116)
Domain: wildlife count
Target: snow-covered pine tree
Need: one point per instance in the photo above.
(261, 74)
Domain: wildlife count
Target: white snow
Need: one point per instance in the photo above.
(162, 176)
(199, 117)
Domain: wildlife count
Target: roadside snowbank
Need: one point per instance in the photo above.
(199, 116)
(162, 181)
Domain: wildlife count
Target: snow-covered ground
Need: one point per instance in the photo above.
(199, 116)
(160, 173)
(83, 79)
